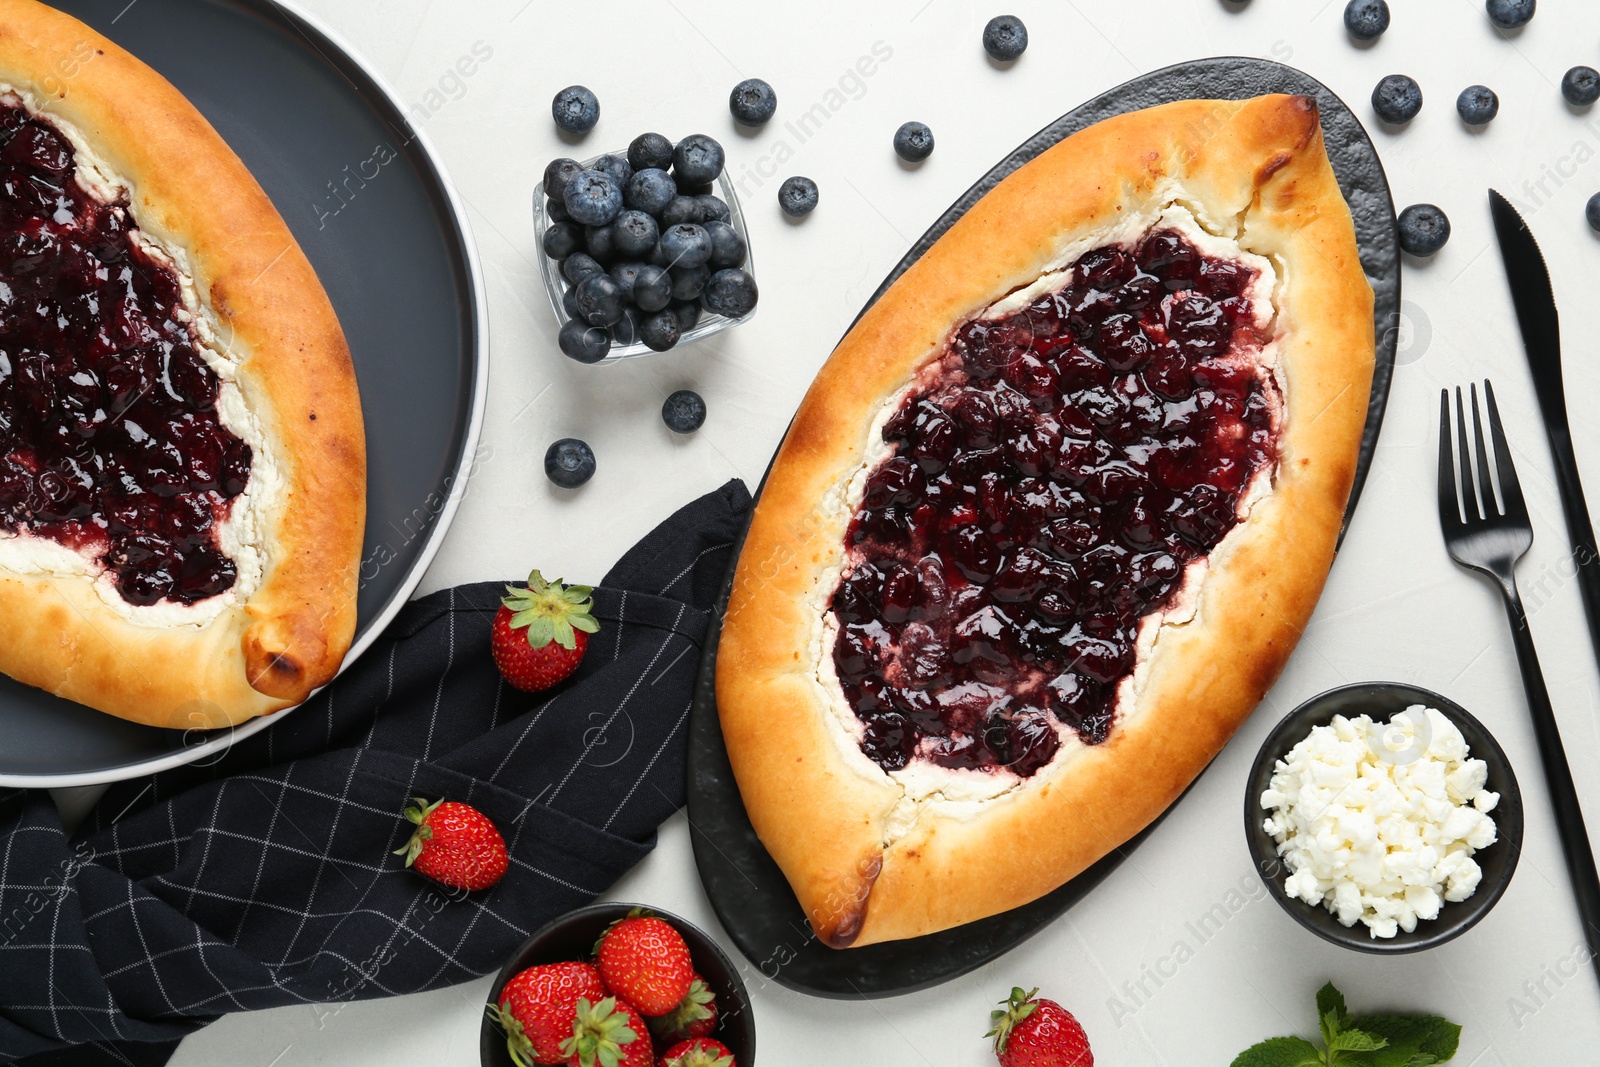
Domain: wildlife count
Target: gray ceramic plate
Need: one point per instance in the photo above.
(366, 199)
(746, 889)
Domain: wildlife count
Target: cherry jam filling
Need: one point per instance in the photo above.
(1049, 483)
(110, 441)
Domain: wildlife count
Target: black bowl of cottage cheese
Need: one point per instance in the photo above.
(1383, 817)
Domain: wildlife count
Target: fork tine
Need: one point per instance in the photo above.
(1449, 503)
(1469, 497)
(1485, 475)
(1510, 489)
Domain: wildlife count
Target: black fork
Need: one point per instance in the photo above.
(1491, 538)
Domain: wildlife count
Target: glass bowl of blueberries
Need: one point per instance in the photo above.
(643, 250)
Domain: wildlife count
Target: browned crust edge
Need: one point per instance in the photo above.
(269, 311)
(821, 809)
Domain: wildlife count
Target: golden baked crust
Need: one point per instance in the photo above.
(268, 315)
(867, 868)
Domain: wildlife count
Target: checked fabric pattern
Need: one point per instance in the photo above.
(266, 878)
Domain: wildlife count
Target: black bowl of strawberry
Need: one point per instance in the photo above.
(618, 983)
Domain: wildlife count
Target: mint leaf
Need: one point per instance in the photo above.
(1331, 1002)
(1356, 1041)
(1279, 1052)
(1414, 1035)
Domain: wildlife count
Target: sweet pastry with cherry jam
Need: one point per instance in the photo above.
(1050, 519)
(181, 457)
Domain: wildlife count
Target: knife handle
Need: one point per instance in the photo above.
(1580, 530)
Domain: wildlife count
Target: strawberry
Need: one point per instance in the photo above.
(1029, 1032)
(698, 1052)
(644, 961)
(609, 1033)
(541, 631)
(455, 845)
(539, 1006)
(695, 1016)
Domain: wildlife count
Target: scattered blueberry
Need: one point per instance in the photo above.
(558, 174)
(731, 293)
(1424, 229)
(686, 245)
(650, 151)
(1581, 86)
(689, 282)
(727, 247)
(557, 210)
(913, 142)
(683, 209)
(1365, 20)
(582, 342)
(616, 166)
(578, 266)
(562, 239)
(1592, 212)
(569, 463)
(635, 234)
(1510, 14)
(652, 287)
(625, 331)
(650, 190)
(593, 198)
(1477, 105)
(688, 314)
(752, 102)
(1005, 38)
(599, 299)
(601, 243)
(576, 109)
(798, 196)
(712, 208)
(660, 331)
(1397, 99)
(697, 160)
(684, 411)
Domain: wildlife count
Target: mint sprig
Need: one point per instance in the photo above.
(1359, 1040)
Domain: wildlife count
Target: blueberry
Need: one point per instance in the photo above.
(1592, 212)
(601, 243)
(650, 151)
(584, 343)
(683, 209)
(557, 210)
(686, 245)
(1424, 229)
(913, 142)
(625, 331)
(697, 159)
(652, 287)
(561, 240)
(569, 303)
(1510, 14)
(576, 109)
(626, 275)
(752, 102)
(694, 189)
(650, 190)
(689, 282)
(593, 198)
(684, 411)
(712, 208)
(578, 266)
(558, 174)
(731, 293)
(660, 331)
(635, 234)
(599, 299)
(727, 247)
(616, 166)
(1005, 38)
(1477, 105)
(1365, 20)
(1581, 86)
(798, 196)
(1397, 99)
(688, 314)
(569, 463)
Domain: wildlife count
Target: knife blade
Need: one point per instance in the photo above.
(1534, 298)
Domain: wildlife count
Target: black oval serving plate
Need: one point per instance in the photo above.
(745, 887)
(339, 157)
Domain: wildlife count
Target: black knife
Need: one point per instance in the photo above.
(1541, 336)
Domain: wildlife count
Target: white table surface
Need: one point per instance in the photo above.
(1395, 608)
